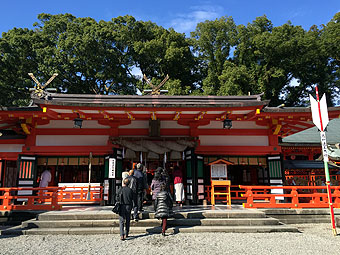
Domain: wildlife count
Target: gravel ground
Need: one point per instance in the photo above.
(314, 239)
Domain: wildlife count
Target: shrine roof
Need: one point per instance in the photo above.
(294, 109)
(305, 164)
(21, 108)
(312, 135)
(123, 109)
(149, 100)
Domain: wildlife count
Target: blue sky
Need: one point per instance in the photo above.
(182, 15)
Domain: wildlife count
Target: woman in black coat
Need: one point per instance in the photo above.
(163, 205)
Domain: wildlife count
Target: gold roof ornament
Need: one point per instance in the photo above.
(38, 90)
(155, 89)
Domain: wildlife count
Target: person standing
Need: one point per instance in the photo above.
(163, 204)
(141, 186)
(156, 186)
(133, 187)
(125, 198)
(179, 187)
(45, 178)
(125, 174)
(166, 179)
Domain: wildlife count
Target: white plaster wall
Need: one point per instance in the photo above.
(61, 140)
(236, 125)
(11, 147)
(234, 140)
(172, 124)
(137, 124)
(70, 124)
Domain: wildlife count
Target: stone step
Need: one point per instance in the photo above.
(151, 222)
(223, 222)
(86, 223)
(154, 230)
(13, 218)
(107, 215)
(302, 212)
(305, 220)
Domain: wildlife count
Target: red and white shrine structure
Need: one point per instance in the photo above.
(187, 131)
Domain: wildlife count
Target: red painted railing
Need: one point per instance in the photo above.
(291, 197)
(312, 179)
(80, 194)
(236, 193)
(38, 199)
(47, 199)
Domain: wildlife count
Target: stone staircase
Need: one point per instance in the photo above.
(301, 216)
(184, 221)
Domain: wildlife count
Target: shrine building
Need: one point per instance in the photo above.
(63, 132)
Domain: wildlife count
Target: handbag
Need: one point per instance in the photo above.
(116, 208)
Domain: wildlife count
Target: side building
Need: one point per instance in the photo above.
(303, 160)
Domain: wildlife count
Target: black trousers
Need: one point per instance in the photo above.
(135, 206)
(124, 219)
(140, 197)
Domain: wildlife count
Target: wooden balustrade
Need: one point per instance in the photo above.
(51, 198)
(236, 193)
(80, 194)
(48, 198)
(38, 199)
(312, 178)
(290, 197)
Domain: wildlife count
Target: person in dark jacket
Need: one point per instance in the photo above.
(156, 187)
(163, 204)
(141, 186)
(166, 179)
(125, 198)
(133, 186)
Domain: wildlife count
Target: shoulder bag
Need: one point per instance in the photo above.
(116, 207)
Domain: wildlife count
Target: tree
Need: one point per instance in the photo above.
(85, 54)
(17, 58)
(157, 52)
(213, 42)
(330, 38)
(220, 58)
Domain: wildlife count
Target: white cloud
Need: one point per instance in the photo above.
(187, 22)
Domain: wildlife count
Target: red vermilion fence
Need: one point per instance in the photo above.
(44, 199)
(236, 193)
(311, 178)
(80, 194)
(52, 198)
(48, 198)
(291, 197)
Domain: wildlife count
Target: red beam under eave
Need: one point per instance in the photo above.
(12, 141)
(9, 155)
(237, 150)
(68, 150)
(186, 132)
(145, 132)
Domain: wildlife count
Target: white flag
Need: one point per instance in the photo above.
(323, 111)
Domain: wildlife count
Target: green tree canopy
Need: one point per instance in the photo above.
(220, 58)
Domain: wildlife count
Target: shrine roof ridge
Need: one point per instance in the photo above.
(149, 100)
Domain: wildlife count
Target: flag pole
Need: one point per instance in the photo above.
(88, 197)
(325, 161)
